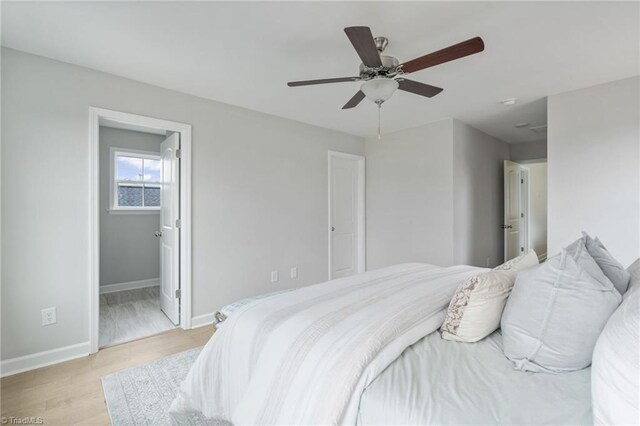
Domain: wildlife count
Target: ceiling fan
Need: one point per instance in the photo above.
(383, 75)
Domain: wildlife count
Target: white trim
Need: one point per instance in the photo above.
(542, 257)
(526, 196)
(185, 230)
(361, 261)
(133, 211)
(203, 320)
(131, 285)
(95, 114)
(19, 364)
(532, 161)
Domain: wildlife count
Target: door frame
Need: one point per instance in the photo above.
(524, 192)
(95, 114)
(361, 261)
(526, 202)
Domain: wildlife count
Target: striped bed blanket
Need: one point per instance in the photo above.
(305, 356)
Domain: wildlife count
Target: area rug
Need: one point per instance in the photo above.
(142, 395)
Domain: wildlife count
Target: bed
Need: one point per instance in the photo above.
(437, 381)
(367, 347)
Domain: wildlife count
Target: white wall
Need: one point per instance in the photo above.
(434, 195)
(538, 207)
(478, 163)
(410, 196)
(594, 167)
(259, 195)
(128, 249)
(526, 151)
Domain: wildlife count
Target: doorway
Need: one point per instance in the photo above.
(140, 260)
(525, 208)
(346, 214)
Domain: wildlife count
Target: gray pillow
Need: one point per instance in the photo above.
(556, 312)
(610, 266)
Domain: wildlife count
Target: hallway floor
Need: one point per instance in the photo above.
(131, 314)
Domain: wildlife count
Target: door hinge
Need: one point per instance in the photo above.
(178, 223)
(522, 249)
(521, 180)
(178, 294)
(521, 214)
(178, 153)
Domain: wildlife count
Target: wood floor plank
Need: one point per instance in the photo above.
(131, 314)
(71, 392)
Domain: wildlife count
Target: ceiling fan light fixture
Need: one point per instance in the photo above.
(379, 90)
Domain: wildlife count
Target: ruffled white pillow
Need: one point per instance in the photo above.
(477, 305)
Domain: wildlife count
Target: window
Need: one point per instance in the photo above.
(136, 180)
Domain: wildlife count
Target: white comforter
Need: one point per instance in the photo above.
(304, 357)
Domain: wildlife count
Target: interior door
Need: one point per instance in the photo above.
(513, 210)
(344, 217)
(169, 230)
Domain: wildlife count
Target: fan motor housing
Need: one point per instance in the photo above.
(389, 68)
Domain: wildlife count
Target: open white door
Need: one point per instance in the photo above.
(346, 215)
(169, 230)
(514, 210)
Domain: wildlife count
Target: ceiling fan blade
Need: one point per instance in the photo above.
(419, 88)
(323, 81)
(365, 45)
(357, 98)
(457, 51)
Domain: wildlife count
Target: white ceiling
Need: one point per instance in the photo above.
(243, 53)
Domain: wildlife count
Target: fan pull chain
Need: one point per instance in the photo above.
(379, 108)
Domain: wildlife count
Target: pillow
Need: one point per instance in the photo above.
(634, 282)
(610, 266)
(477, 305)
(616, 362)
(556, 312)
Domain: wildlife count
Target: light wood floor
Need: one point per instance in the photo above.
(71, 393)
(131, 314)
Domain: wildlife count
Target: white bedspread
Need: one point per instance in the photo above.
(440, 382)
(304, 357)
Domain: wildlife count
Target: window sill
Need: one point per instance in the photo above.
(133, 211)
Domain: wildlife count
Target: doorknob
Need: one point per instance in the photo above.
(506, 226)
(333, 229)
(157, 234)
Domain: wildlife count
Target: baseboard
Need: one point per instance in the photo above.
(542, 257)
(42, 359)
(131, 285)
(203, 320)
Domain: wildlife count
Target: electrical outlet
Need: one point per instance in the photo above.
(274, 276)
(294, 272)
(49, 316)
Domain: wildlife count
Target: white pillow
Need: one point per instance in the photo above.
(556, 312)
(477, 305)
(615, 372)
(609, 265)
